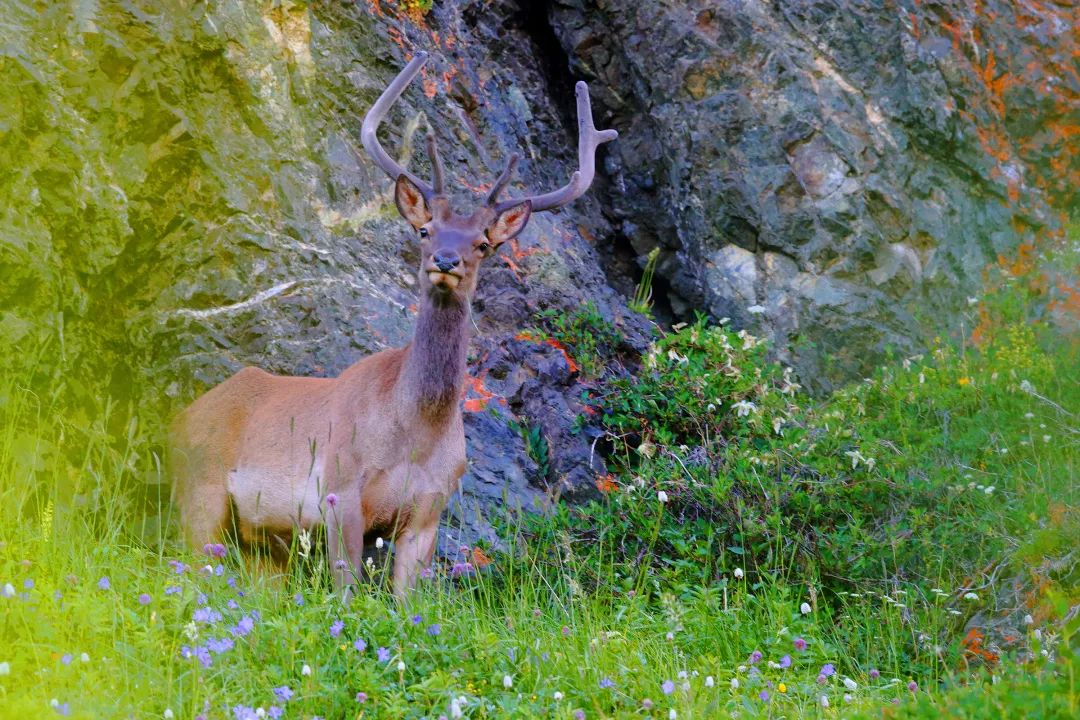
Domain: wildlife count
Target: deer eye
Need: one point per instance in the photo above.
(423, 232)
(484, 248)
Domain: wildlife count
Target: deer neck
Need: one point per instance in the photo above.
(433, 372)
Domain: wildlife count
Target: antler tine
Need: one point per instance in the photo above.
(436, 164)
(589, 138)
(503, 179)
(377, 114)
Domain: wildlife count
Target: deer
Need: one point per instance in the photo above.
(381, 447)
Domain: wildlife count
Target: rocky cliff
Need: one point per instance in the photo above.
(190, 195)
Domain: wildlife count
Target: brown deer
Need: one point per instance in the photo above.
(381, 448)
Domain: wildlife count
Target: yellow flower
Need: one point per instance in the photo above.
(963, 381)
(782, 688)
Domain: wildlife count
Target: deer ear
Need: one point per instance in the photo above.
(410, 202)
(510, 222)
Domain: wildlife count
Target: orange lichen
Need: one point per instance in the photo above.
(475, 385)
(550, 342)
(606, 484)
(480, 558)
(973, 647)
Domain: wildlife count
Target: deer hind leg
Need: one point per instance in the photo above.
(202, 497)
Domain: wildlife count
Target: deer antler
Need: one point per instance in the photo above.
(377, 114)
(589, 138)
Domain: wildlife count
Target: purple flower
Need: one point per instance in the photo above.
(63, 709)
(283, 693)
(828, 670)
(219, 570)
(427, 573)
(231, 581)
(606, 683)
(417, 619)
(668, 687)
(579, 715)
(821, 679)
(28, 584)
(206, 615)
(785, 662)
(800, 644)
(434, 629)
(201, 599)
(340, 564)
(331, 500)
(336, 628)
(232, 605)
(243, 627)
(384, 654)
(242, 712)
(104, 583)
(298, 598)
(66, 660)
(764, 695)
(144, 599)
(198, 652)
(565, 631)
(218, 646)
(755, 656)
(461, 568)
(874, 674)
(360, 645)
(172, 590)
(214, 550)
(178, 566)
(275, 712)
(913, 686)
(361, 697)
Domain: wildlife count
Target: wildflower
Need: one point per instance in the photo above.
(785, 662)
(401, 666)
(558, 696)
(874, 674)
(579, 715)
(243, 626)
(670, 636)
(298, 598)
(434, 629)
(144, 599)
(1028, 620)
(172, 590)
(709, 682)
(306, 670)
(989, 490)
(848, 698)
(61, 709)
(744, 408)
(206, 615)
(283, 693)
(782, 687)
(738, 573)
(360, 645)
(565, 631)
(103, 583)
(681, 675)
(340, 564)
(828, 670)
(662, 496)
(383, 654)
(336, 627)
(970, 596)
(361, 697)
(168, 714)
(764, 695)
(218, 646)
(5, 668)
(461, 568)
(734, 683)
(672, 715)
(799, 644)
(805, 608)
(755, 657)
(66, 660)
(275, 712)
(824, 701)
(606, 683)
(668, 687)
(850, 684)
(331, 500)
(215, 550)
(379, 543)
(508, 682)
(9, 590)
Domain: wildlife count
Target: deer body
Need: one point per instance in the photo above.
(382, 446)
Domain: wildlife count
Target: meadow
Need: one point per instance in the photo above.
(756, 552)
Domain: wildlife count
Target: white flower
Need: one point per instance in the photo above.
(5, 668)
(670, 636)
(734, 683)
(709, 682)
(1046, 438)
(805, 608)
(850, 684)
(738, 573)
(824, 701)
(54, 703)
(744, 408)
(455, 708)
(1028, 620)
(989, 490)
(260, 712)
(1038, 634)
(401, 666)
(508, 682)
(9, 590)
(84, 657)
(558, 696)
(671, 714)
(973, 301)
(305, 543)
(971, 596)
(1027, 387)
(847, 698)
(661, 496)
(778, 425)
(682, 675)
(306, 670)
(167, 714)
(379, 542)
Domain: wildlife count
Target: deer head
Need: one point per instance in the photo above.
(453, 245)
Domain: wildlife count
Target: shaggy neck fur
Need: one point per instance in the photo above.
(433, 373)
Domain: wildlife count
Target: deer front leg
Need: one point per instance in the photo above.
(415, 544)
(345, 540)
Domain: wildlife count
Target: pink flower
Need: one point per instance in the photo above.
(800, 644)
(331, 500)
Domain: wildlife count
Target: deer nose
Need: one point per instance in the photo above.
(446, 260)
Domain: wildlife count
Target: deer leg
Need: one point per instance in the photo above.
(345, 542)
(415, 544)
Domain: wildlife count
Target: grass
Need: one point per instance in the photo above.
(782, 575)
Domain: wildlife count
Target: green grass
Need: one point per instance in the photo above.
(602, 615)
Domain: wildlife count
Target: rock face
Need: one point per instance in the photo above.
(835, 173)
(193, 197)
